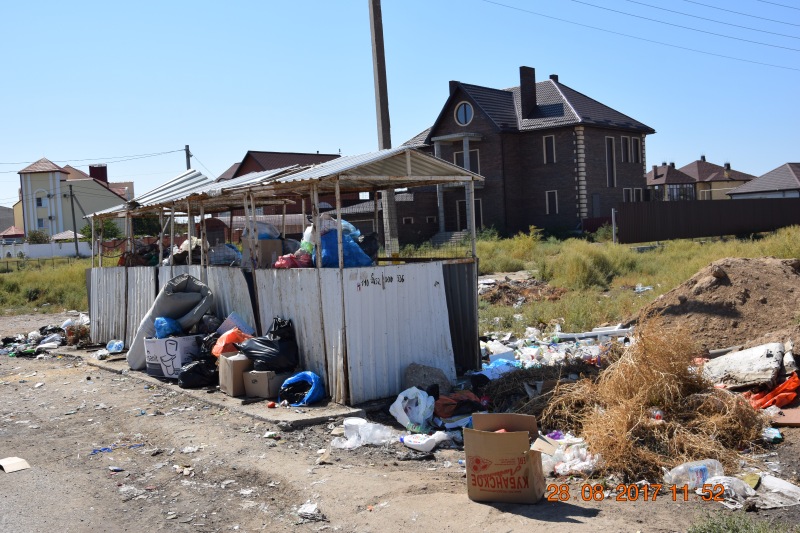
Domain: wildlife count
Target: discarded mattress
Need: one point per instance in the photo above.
(185, 299)
(746, 368)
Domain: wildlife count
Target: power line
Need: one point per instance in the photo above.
(205, 167)
(101, 159)
(782, 5)
(685, 27)
(740, 13)
(712, 20)
(642, 38)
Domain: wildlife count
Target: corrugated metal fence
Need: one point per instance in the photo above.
(661, 221)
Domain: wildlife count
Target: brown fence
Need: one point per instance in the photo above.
(661, 221)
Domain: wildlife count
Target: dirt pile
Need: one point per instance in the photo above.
(735, 301)
(517, 292)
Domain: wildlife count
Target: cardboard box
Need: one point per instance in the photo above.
(165, 357)
(232, 367)
(264, 384)
(502, 467)
(267, 251)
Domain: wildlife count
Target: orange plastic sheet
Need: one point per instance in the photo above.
(782, 395)
(226, 341)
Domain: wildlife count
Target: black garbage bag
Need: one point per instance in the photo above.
(209, 324)
(206, 345)
(369, 244)
(198, 374)
(295, 392)
(276, 351)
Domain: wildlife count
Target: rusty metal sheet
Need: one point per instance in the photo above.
(461, 288)
(395, 315)
(230, 293)
(295, 294)
(141, 295)
(108, 288)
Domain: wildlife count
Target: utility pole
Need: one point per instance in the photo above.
(391, 245)
(188, 157)
(74, 226)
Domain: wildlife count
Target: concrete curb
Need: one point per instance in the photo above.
(295, 416)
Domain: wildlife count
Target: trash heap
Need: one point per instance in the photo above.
(73, 332)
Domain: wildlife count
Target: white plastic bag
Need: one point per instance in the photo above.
(413, 409)
(369, 433)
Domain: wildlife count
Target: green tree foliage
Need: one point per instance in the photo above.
(146, 226)
(38, 236)
(110, 230)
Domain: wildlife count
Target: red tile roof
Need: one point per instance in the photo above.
(13, 231)
(705, 171)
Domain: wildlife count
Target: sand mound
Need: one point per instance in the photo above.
(735, 301)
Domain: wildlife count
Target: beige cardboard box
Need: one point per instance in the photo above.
(264, 384)
(501, 467)
(232, 367)
(267, 251)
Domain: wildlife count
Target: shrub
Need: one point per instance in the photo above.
(38, 236)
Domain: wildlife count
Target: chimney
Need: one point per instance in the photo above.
(672, 164)
(554, 77)
(453, 87)
(702, 158)
(727, 170)
(99, 172)
(663, 163)
(527, 90)
(655, 172)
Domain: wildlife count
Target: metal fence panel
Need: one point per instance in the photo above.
(395, 315)
(164, 273)
(230, 293)
(141, 295)
(461, 289)
(107, 320)
(658, 221)
(294, 294)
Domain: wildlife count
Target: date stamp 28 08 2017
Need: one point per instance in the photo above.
(632, 492)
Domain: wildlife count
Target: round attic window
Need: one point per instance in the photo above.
(463, 113)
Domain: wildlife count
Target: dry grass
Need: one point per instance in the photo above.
(614, 414)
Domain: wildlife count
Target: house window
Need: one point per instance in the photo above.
(431, 220)
(626, 195)
(40, 223)
(474, 160)
(625, 146)
(464, 113)
(636, 150)
(637, 195)
(611, 167)
(549, 143)
(408, 220)
(551, 202)
(41, 201)
(363, 196)
(680, 191)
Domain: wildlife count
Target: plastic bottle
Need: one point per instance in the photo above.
(424, 443)
(115, 346)
(694, 473)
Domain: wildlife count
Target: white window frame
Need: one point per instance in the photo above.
(627, 195)
(638, 194)
(39, 223)
(408, 220)
(478, 223)
(611, 181)
(637, 158)
(363, 195)
(544, 148)
(455, 113)
(41, 201)
(471, 162)
(625, 141)
(547, 202)
(431, 219)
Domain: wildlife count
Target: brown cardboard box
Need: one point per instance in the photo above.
(232, 367)
(266, 384)
(501, 467)
(267, 251)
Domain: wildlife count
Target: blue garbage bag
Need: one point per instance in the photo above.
(303, 388)
(167, 326)
(354, 256)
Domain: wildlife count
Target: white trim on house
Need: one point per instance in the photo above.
(478, 223)
(472, 161)
(611, 181)
(544, 149)
(638, 151)
(547, 202)
(455, 113)
(638, 195)
(627, 194)
(625, 141)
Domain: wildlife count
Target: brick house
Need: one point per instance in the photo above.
(552, 156)
(699, 180)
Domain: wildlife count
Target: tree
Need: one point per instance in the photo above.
(110, 230)
(146, 226)
(38, 236)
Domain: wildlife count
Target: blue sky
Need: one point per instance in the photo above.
(100, 80)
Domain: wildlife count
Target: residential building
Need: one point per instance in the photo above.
(782, 182)
(552, 157)
(45, 202)
(667, 183)
(699, 180)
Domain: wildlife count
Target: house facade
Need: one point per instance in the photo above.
(45, 202)
(552, 156)
(699, 180)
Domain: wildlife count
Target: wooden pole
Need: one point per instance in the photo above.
(316, 222)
